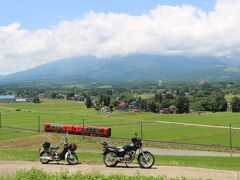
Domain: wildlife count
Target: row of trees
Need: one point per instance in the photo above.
(183, 104)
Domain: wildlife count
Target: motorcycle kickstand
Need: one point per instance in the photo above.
(126, 164)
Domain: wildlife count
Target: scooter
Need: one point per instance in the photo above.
(48, 153)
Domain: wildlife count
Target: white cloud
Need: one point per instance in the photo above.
(165, 30)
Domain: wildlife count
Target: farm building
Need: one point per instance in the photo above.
(20, 100)
(122, 107)
(136, 110)
(7, 98)
(105, 109)
(171, 110)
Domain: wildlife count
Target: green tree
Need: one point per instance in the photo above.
(220, 103)
(70, 95)
(235, 104)
(36, 99)
(158, 98)
(104, 100)
(53, 95)
(182, 104)
(169, 96)
(88, 102)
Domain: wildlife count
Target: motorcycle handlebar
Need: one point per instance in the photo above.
(104, 143)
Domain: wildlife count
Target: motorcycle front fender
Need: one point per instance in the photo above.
(141, 154)
(69, 152)
(66, 155)
(41, 150)
(105, 152)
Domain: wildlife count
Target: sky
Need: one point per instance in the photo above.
(46, 13)
(37, 32)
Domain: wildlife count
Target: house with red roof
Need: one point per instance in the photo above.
(122, 106)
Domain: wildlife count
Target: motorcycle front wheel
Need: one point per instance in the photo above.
(146, 161)
(72, 159)
(44, 155)
(110, 159)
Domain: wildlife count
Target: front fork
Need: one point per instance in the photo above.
(68, 153)
(142, 152)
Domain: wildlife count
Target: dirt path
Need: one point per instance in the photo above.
(197, 125)
(10, 167)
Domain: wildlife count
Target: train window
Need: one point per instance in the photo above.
(101, 130)
(90, 130)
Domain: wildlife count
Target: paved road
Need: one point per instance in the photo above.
(11, 167)
(176, 152)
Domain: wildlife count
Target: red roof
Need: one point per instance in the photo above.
(122, 104)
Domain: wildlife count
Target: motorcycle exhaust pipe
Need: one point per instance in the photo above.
(45, 158)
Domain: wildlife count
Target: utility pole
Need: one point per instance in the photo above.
(83, 130)
(0, 120)
(39, 128)
(230, 139)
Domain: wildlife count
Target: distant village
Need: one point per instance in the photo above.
(12, 98)
(161, 97)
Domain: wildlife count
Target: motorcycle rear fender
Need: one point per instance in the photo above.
(109, 150)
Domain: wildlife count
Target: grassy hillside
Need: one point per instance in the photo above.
(132, 67)
(123, 124)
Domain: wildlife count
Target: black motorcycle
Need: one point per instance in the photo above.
(48, 153)
(113, 155)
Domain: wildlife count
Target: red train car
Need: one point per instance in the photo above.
(97, 131)
(78, 129)
(54, 127)
(74, 129)
(68, 128)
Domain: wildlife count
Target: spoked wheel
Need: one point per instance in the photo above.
(110, 159)
(146, 161)
(44, 155)
(72, 159)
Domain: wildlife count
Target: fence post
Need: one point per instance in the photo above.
(83, 130)
(230, 139)
(39, 128)
(141, 131)
(0, 120)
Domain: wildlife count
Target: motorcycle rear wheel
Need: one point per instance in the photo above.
(109, 159)
(44, 154)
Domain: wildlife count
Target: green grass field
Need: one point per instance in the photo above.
(41, 175)
(123, 124)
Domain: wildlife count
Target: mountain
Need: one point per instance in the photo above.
(132, 67)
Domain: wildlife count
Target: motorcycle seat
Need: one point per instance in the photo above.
(54, 147)
(120, 149)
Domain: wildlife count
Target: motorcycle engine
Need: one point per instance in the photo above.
(128, 156)
(53, 153)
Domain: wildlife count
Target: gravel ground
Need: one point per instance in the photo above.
(11, 167)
